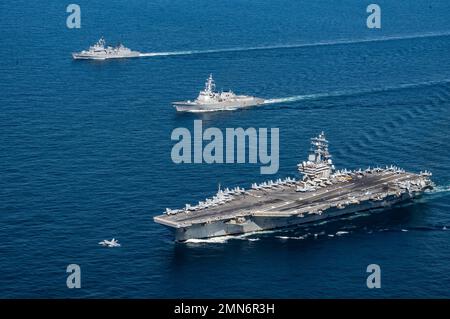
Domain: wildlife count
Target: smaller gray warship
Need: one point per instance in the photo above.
(99, 51)
(209, 100)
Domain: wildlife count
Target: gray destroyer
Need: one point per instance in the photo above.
(209, 100)
(99, 51)
(322, 193)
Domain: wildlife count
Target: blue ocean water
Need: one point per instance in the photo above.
(85, 146)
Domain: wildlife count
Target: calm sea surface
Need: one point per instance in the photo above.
(85, 146)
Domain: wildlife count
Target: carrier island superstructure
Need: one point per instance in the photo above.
(322, 193)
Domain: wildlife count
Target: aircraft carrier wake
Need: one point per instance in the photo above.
(322, 193)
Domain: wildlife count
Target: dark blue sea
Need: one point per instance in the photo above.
(85, 146)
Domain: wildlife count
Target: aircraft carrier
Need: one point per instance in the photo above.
(322, 193)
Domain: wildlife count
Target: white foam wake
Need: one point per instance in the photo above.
(218, 240)
(224, 239)
(212, 240)
(440, 189)
(291, 237)
(151, 54)
(296, 98)
(301, 45)
(315, 96)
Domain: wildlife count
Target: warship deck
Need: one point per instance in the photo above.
(285, 201)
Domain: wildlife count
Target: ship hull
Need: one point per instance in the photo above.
(79, 56)
(223, 106)
(260, 223)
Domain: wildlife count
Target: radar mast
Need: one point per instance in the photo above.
(210, 86)
(319, 163)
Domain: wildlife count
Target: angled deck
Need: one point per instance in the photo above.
(284, 201)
